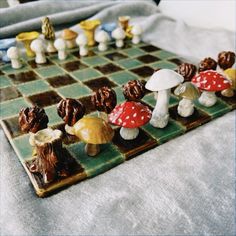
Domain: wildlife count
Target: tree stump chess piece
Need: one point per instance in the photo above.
(49, 34)
(104, 100)
(162, 81)
(134, 90)
(187, 70)
(207, 63)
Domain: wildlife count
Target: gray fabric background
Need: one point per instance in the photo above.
(183, 187)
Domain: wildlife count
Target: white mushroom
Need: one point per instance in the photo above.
(14, 55)
(119, 35)
(82, 42)
(136, 32)
(102, 38)
(37, 46)
(162, 81)
(60, 45)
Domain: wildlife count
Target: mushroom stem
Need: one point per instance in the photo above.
(228, 92)
(102, 47)
(119, 43)
(129, 134)
(50, 46)
(160, 115)
(16, 63)
(70, 43)
(185, 107)
(92, 149)
(208, 99)
(103, 116)
(83, 51)
(136, 39)
(40, 58)
(62, 54)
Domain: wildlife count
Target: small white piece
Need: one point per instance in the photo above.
(102, 38)
(136, 32)
(207, 99)
(14, 55)
(82, 42)
(60, 45)
(50, 46)
(37, 46)
(119, 35)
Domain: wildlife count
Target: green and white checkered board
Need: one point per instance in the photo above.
(77, 77)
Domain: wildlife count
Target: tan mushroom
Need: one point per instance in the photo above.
(69, 36)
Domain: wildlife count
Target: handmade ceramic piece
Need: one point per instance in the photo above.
(136, 32)
(162, 81)
(69, 36)
(14, 55)
(60, 45)
(207, 63)
(187, 70)
(134, 90)
(124, 22)
(209, 82)
(231, 76)
(109, 27)
(102, 38)
(82, 42)
(26, 38)
(89, 27)
(5, 44)
(130, 116)
(119, 35)
(49, 35)
(37, 46)
(104, 100)
(188, 92)
(226, 59)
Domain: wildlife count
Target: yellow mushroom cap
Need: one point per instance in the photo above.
(89, 24)
(93, 130)
(187, 90)
(231, 75)
(68, 34)
(24, 36)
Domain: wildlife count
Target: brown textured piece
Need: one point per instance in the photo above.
(226, 59)
(187, 70)
(99, 82)
(61, 80)
(134, 90)
(23, 77)
(207, 64)
(32, 119)
(70, 110)
(104, 99)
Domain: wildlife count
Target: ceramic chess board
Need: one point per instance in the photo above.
(77, 77)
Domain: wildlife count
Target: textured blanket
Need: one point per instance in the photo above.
(183, 187)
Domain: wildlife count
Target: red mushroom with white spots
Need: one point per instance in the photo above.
(210, 82)
(130, 116)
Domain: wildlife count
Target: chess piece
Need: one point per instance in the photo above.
(26, 38)
(109, 27)
(89, 27)
(104, 100)
(124, 22)
(136, 31)
(38, 48)
(60, 45)
(69, 36)
(210, 82)
(226, 59)
(119, 35)
(82, 42)
(102, 38)
(5, 44)
(49, 35)
(134, 90)
(231, 76)
(188, 92)
(187, 70)
(162, 81)
(14, 55)
(130, 116)
(207, 64)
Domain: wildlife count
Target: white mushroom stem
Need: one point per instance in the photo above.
(62, 54)
(136, 39)
(102, 47)
(16, 63)
(70, 43)
(92, 149)
(50, 46)
(119, 43)
(185, 107)
(129, 134)
(14, 55)
(207, 99)
(83, 50)
(160, 114)
(40, 58)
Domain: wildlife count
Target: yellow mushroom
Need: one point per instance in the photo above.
(230, 75)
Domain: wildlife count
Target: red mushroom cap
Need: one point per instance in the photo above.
(130, 115)
(211, 81)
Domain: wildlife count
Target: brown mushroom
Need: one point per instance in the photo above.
(69, 36)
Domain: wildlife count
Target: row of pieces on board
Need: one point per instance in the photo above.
(36, 47)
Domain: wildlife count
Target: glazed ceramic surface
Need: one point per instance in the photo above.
(109, 27)
(4, 45)
(77, 77)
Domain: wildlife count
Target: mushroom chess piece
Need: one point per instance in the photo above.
(188, 92)
(82, 42)
(49, 35)
(136, 31)
(60, 45)
(119, 35)
(231, 76)
(207, 64)
(209, 82)
(124, 22)
(69, 36)
(104, 100)
(130, 116)
(226, 59)
(37, 46)
(102, 38)
(187, 70)
(162, 81)
(134, 90)
(14, 55)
